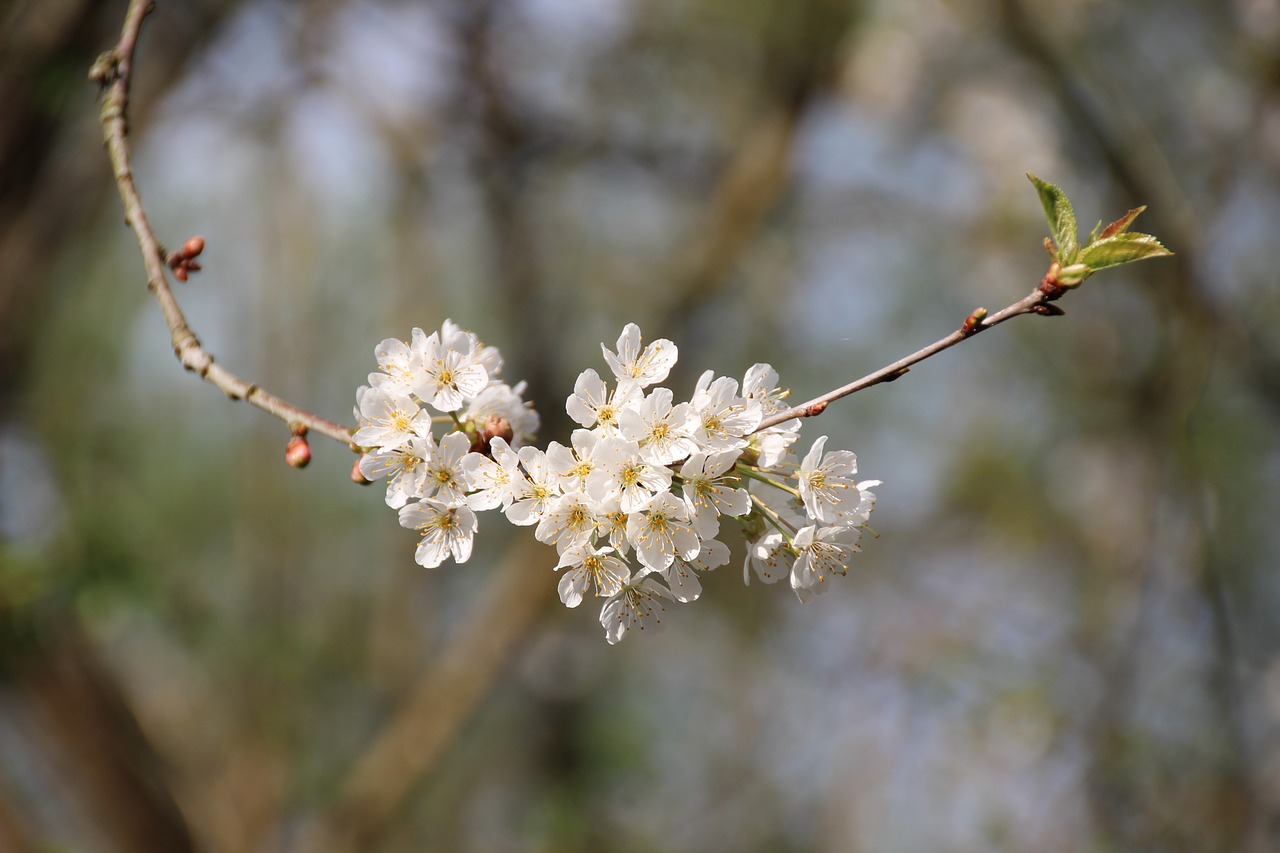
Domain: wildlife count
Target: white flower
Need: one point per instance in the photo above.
(724, 420)
(638, 605)
(449, 376)
(822, 551)
(444, 478)
(389, 420)
(497, 481)
(771, 554)
(524, 420)
(620, 472)
(611, 522)
(682, 575)
(761, 384)
(661, 532)
(662, 431)
(592, 567)
(544, 487)
(568, 520)
(770, 557)
(592, 405)
(644, 367)
(861, 513)
(454, 336)
(773, 445)
(713, 555)
(574, 464)
(447, 531)
(405, 466)
(400, 364)
(826, 486)
(711, 491)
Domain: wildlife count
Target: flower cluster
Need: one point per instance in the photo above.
(635, 503)
(446, 377)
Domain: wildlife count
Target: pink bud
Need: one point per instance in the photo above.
(297, 452)
(357, 476)
(498, 427)
(193, 247)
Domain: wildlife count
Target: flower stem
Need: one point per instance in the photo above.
(755, 474)
(771, 515)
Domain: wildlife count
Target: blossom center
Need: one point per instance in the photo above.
(444, 522)
(630, 475)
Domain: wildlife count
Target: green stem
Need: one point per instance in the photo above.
(756, 474)
(771, 515)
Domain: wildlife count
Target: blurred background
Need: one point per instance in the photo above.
(1065, 637)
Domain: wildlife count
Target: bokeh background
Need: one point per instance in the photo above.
(1065, 637)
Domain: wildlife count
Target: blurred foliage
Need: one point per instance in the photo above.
(1064, 637)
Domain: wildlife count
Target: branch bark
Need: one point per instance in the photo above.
(114, 71)
(1036, 302)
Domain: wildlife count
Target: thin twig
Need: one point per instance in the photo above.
(1036, 302)
(113, 71)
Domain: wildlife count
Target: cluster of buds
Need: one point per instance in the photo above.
(183, 262)
(634, 506)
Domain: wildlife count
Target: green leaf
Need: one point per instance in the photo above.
(1123, 248)
(1062, 219)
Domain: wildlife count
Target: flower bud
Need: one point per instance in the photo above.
(193, 246)
(498, 426)
(483, 433)
(357, 476)
(297, 452)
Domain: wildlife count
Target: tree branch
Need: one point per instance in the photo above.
(113, 71)
(1036, 302)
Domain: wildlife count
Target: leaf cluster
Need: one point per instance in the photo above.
(1106, 247)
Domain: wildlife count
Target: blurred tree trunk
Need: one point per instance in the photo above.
(81, 724)
(53, 182)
